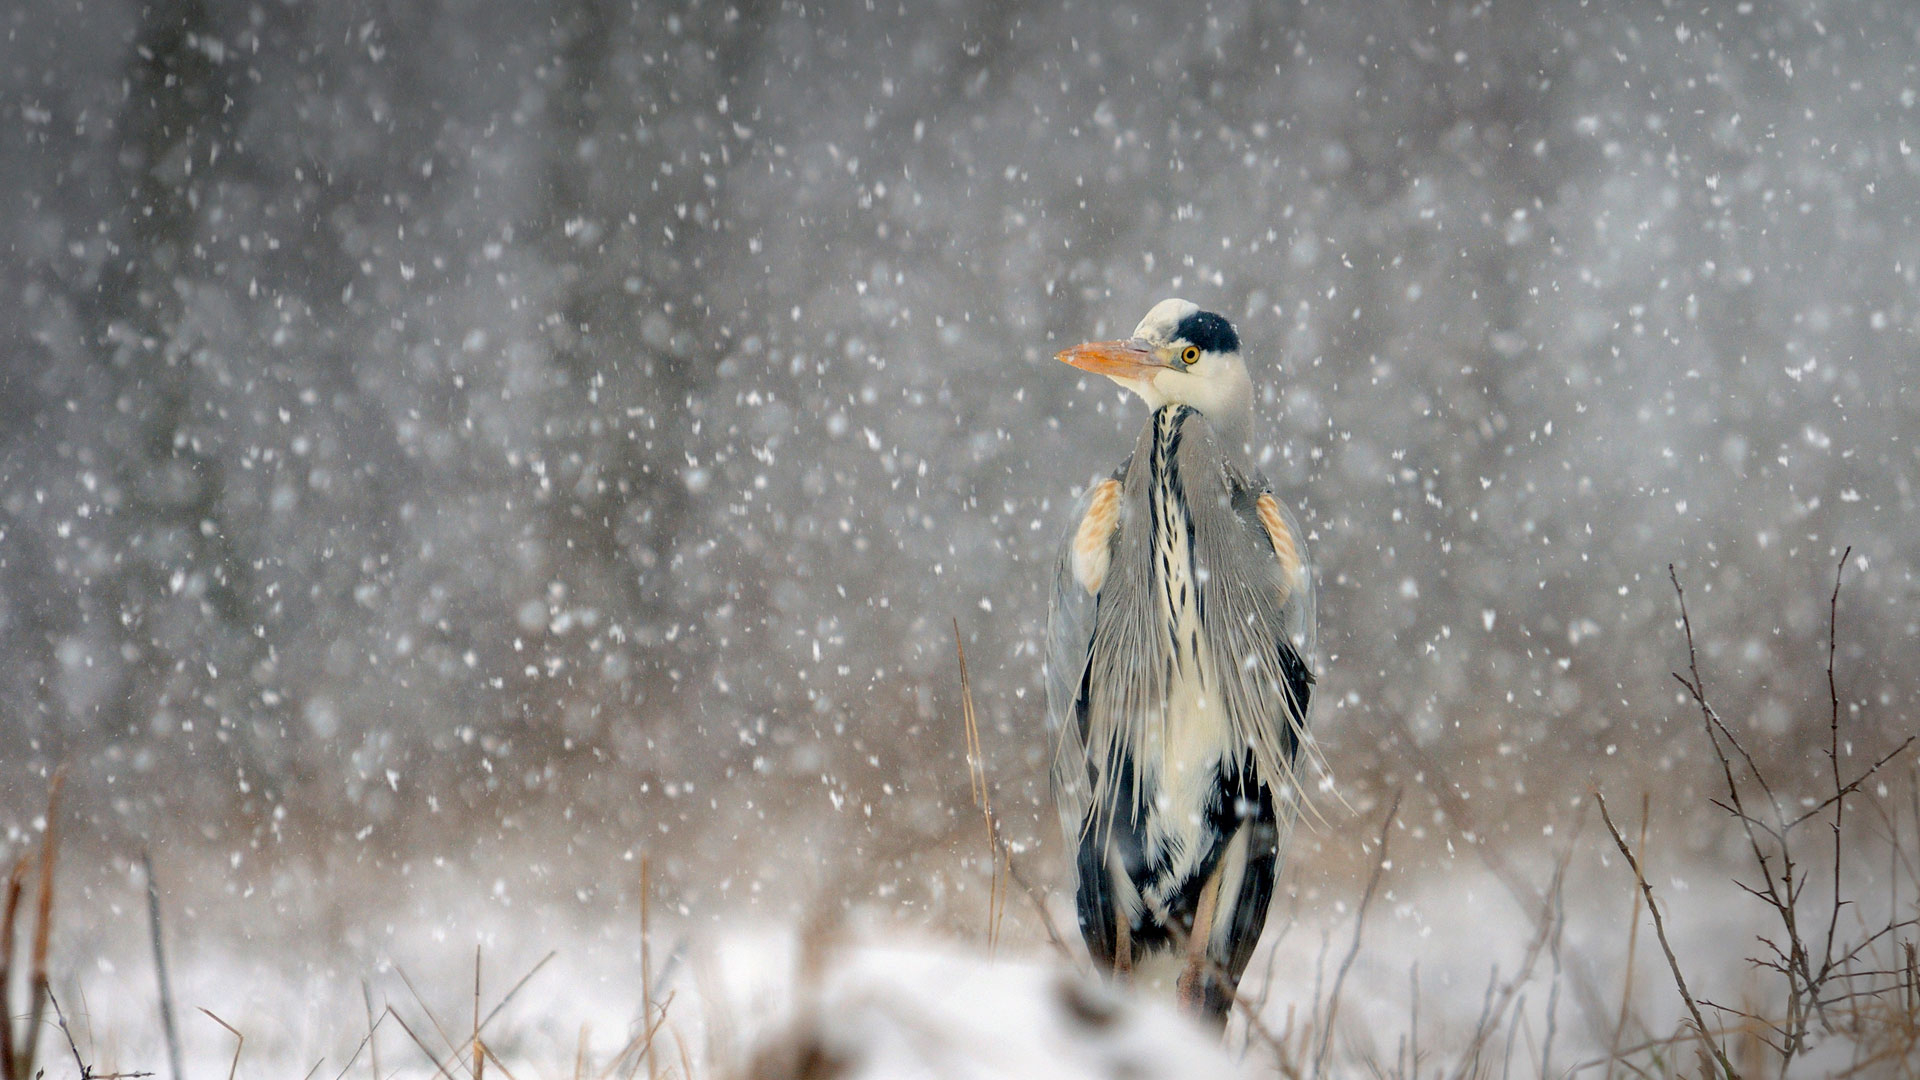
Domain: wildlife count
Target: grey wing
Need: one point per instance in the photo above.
(1287, 614)
(1070, 624)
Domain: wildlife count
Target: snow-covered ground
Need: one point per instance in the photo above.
(1439, 952)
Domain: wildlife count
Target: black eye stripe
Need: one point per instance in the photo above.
(1211, 332)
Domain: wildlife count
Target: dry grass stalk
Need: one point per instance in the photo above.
(16, 880)
(366, 1041)
(167, 1025)
(637, 1046)
(239, 1040)
(686, 1060)
(479, 1048)
(43, 925)
(646, 963)
(457, 1052)
(999, 867)
(372, 1043)
(411, 1034)
(17, 1052)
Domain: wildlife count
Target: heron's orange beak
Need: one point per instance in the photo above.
(1131, 360)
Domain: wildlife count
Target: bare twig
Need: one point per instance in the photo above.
(160, 966)
(479, 1051)
(1833, 763)
(1633, 949)
(86, 1071)
(1660, 929)
(646, 959)
(1039, 901)
(1620, 1058)
(1782, 881)
(1509, 996)
(1558, 920)
(1853, 785)
(1280, 1044)
(1525, 894)
(1353, 950)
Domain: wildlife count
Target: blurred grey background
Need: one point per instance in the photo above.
(574, 429)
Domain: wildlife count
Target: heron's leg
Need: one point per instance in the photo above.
(1192, 987)
(1122, 942)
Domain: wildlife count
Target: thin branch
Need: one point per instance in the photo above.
(1353, 950)
(1833, 763)
(1039, 901)
(1510, 996)
(86, 1071)
(1633, 944)
(1854, 785)
(1660, 929)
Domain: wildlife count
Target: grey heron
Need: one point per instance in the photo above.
(1177, 675)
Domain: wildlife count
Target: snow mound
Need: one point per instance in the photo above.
(879, 1013)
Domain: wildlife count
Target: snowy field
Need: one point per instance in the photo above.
(451, 454)
(744, 991)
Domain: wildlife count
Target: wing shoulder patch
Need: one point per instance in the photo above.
(1284, 546)
(1092, 541)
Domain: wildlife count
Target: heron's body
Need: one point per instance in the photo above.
(1177, 692)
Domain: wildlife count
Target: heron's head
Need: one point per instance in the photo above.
(1179, 355)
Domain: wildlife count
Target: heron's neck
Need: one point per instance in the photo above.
(1232, 428)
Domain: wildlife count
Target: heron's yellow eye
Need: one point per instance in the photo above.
(1190, 354)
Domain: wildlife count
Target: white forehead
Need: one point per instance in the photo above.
(1160, 322)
